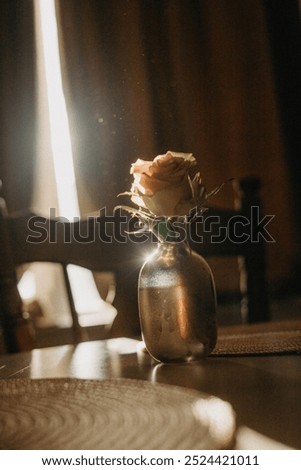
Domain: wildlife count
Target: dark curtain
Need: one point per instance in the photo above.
(146, 76)
(283, 23)
(17, 96)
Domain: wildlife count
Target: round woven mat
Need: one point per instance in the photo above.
(110, 414)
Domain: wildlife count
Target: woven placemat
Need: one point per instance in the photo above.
(282, 337)
(110, 414)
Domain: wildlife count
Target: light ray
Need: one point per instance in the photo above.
(87, 299)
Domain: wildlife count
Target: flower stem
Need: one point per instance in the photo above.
(165, 231)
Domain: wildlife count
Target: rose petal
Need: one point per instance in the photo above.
(165, 202)
(171, 154)
(140, 166)
(147, 185)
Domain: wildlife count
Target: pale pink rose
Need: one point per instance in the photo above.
(164, 186)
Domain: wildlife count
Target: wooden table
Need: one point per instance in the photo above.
(265, 391)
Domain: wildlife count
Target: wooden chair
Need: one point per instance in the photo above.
(236, 233)
(99, 244)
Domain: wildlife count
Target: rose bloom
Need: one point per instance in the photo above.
(164, 186)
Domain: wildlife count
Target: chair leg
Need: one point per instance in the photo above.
(255, 302)
(18, 332)
(253, 284)
(126, 322)
(78, 332)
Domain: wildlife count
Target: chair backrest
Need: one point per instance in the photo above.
(100, 244)
(95, 243)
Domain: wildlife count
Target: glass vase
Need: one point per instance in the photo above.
(177, 304)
